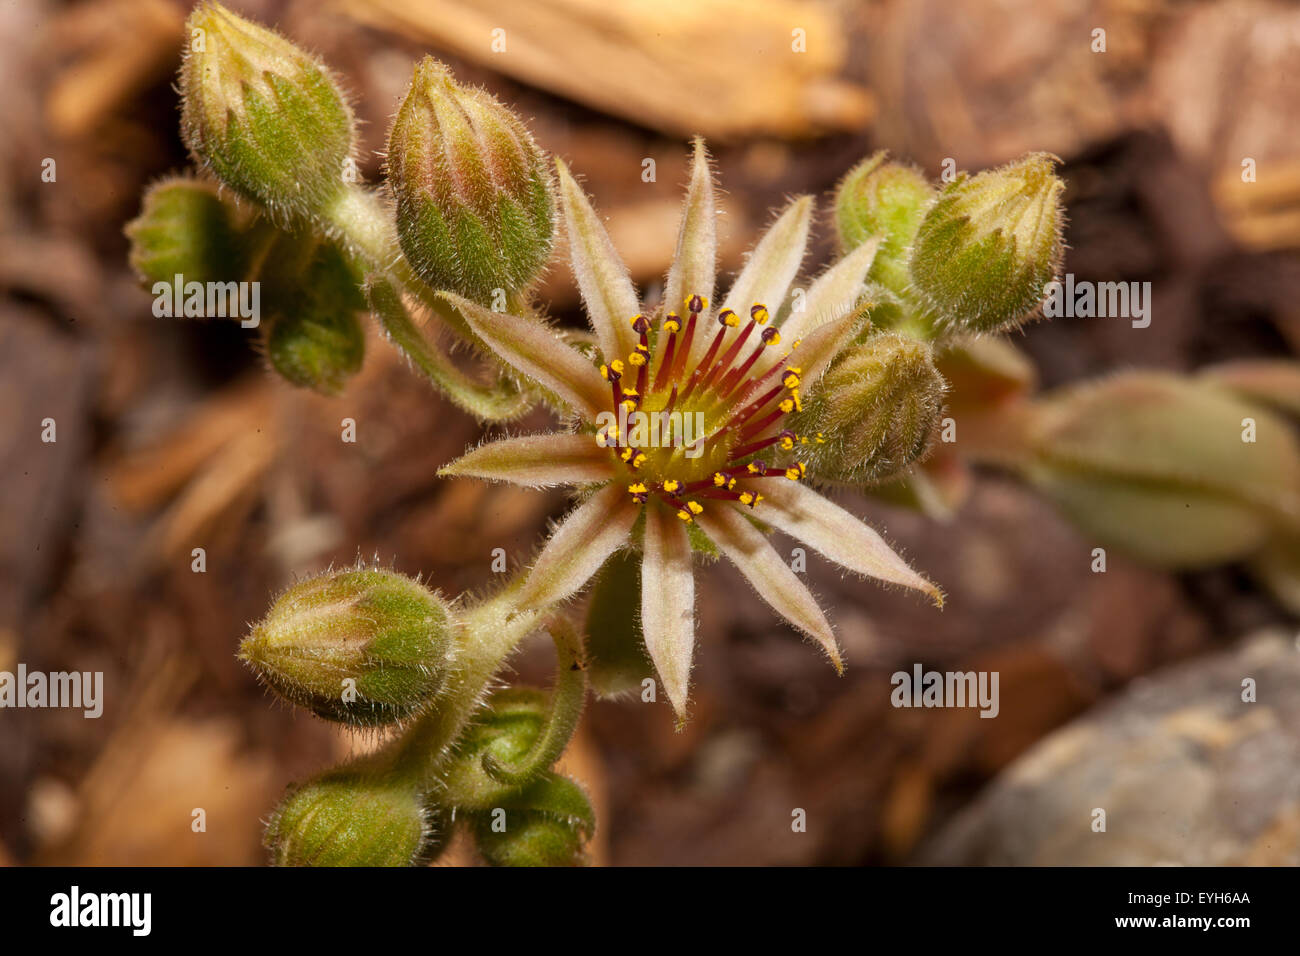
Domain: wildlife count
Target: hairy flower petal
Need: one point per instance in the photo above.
(816, 349)
(747, 548)
(668, 603)
(555, 458)
(801, 512)
(835, 292)
(695, 263)
(775, 261)
(579, 546)
(537, 352)
(603, 280)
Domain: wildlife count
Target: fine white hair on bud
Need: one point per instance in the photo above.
(362, 646)
(475, 205)
(989, 245)
(875, 410)
(267, 118)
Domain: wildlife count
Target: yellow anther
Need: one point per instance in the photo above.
(604, 372)
(629, 404)
(671, 485)
(787, 443)
(791, 380)
(626, 454)
(636, 359)
(719, 479)
(759, 313)
(684, 515)
(746, 497)
(728, 318)
(695, 507)
(796, 471)
(786, 405)
(672, 323)
(617, 366)
(639, 460)
(637, 488)
(776, 338)
(731, 484)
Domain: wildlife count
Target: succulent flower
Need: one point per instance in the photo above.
(679, 436)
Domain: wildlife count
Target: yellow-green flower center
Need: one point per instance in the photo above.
(692, 431)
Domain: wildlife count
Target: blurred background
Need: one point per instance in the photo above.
(1117, 689)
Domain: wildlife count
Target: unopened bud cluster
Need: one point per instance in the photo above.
(973, 256)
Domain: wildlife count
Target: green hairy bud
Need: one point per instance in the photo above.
(990, 244)
(185, 228)
(874, 411)
(350, 817)
(267, 118)
(364, 647)
(546, 824)
(475, 210)
(317, 340)
(886, 199)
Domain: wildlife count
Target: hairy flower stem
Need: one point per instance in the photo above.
(359, 219)
(493, 402)
(490, 632)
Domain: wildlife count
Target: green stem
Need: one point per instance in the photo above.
(359, 219)
(490, 632)
(567, 698)
(495, 403)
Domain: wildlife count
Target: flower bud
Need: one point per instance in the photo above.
(546, 824)
(1176, 472)
(351, 817)
(989, 245)
(185, 228)
(880, 198)
(316, 340)
(874, 410)
(363, 647)
(266, 117)
(475, 211)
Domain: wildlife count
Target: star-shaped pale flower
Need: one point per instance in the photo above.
(683, 423)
